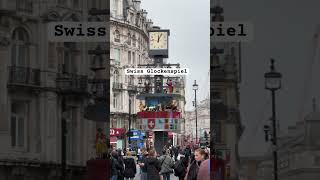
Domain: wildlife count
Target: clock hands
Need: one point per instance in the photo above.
(159, 36)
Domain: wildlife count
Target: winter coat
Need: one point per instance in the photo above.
(193, 170)
(166, 164)
(204, 170)
(153, 168)
(130, 168)
(115, 167)
(143, 168)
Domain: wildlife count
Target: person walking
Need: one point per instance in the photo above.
(153, 166)
(130, 167)
(176, 152)
(115, 167)
(143, 170)
(199, 157)
(204, 170)
(121, 164)
(166, 165)
(181, 165)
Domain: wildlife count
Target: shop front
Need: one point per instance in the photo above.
(117, 138)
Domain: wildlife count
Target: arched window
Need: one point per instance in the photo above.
(129, 39)
(20, 54)
(116, 36)
(134, 40)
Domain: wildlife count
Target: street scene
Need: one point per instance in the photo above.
(159, 124)
(265, 91)
(68, 109)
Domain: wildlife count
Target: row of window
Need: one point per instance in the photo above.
(118, 102)
(130, 39)
(122, 123)
(19, 126)
(134, 18)
(132, 57)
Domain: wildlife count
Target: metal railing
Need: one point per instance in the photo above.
(24, 76)
(72, 83)
(132, 87)
(25, 6)
(117, 86)
(99, 88)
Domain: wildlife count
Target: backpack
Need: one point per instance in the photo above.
(179, 169)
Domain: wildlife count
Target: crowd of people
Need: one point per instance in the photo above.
(186, 163)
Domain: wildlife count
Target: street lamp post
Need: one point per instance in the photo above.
(195, 88)
(129, 131)
(273, 83)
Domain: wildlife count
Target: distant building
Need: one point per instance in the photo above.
(298, 155)
(203, 116)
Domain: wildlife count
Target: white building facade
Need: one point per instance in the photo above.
(128, 48)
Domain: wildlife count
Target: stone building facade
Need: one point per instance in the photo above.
(225, 98)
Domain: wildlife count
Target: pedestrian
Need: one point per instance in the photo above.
(121, 163)
(115, 167)
(181, 165)
(176, 152)
(130, 167)
(199, 157)
(153, 166)
(166, 165)
(204, 170)
(143, 170)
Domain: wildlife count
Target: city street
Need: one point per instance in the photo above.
(138, 175)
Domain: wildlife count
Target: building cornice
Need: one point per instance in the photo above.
(129, 26)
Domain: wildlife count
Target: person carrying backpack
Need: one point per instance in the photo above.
(130, 167)
(166, 165)
(199, 157)
(180, 167)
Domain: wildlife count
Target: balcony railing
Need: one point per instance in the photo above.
(99, 88)
(132, 88)
(117, 86)
(72, 83)
(25, 6)
(24, 76)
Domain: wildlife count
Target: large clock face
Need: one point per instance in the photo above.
(158, 40)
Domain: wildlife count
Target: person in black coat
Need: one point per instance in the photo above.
(130, 167)
(121, 164)
(153, 166)
(115, 167)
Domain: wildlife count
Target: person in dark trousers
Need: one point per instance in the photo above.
(166, 165)
(115, 167)
(199, 156)
(121, 163)
(143, 175)
(153, 166)
(130, 167)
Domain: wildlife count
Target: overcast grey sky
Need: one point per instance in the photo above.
(284, 31)
(189, 24)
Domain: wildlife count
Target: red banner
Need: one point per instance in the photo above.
(117, 131)
(160, 114)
